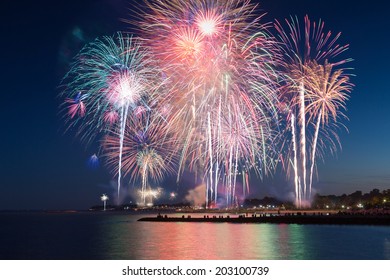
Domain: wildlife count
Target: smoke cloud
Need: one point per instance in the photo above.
(197, 196)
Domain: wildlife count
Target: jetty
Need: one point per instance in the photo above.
(295, 218)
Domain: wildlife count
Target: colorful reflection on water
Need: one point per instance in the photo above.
(130, 239)
(120, 236)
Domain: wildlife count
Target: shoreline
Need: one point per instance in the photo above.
(286, 218)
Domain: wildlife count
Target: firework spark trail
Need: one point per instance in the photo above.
(300, 51)
(211, 158)
(124, 111)
(313, 152)
(235, 172)
(144, 181)
(217, 163)
(302, 118)
(328, 90)
(295, 164)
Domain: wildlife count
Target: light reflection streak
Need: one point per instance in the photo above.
(205, 241)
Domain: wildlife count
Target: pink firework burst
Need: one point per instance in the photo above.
(111, 117)
(76, 106)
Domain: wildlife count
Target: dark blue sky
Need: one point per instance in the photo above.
(44, 168)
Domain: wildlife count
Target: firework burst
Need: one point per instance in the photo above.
(328, 91)
(112, 76)
(219, 62)
(201, 93)
(312, 92)
(148, 152)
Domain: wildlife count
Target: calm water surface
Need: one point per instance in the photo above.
(120, 236)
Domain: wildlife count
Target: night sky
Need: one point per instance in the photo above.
(42, 167)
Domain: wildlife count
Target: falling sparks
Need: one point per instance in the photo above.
(316, 92)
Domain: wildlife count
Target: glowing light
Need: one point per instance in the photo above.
(93, 161)
(207, 27)
(149, 195)
(172, 195)
(104, 198)
(209, 22)
(124, 89)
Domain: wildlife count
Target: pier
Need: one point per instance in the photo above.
(293, 218)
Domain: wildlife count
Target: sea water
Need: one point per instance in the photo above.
(110, 235)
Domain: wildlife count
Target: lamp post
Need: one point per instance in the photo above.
(104, 198)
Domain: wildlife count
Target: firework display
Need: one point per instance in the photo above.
(218, 60)
(314, 91)
(148, 151)
(111, 77)
(210, 90)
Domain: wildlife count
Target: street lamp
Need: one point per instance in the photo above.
(104, 198)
